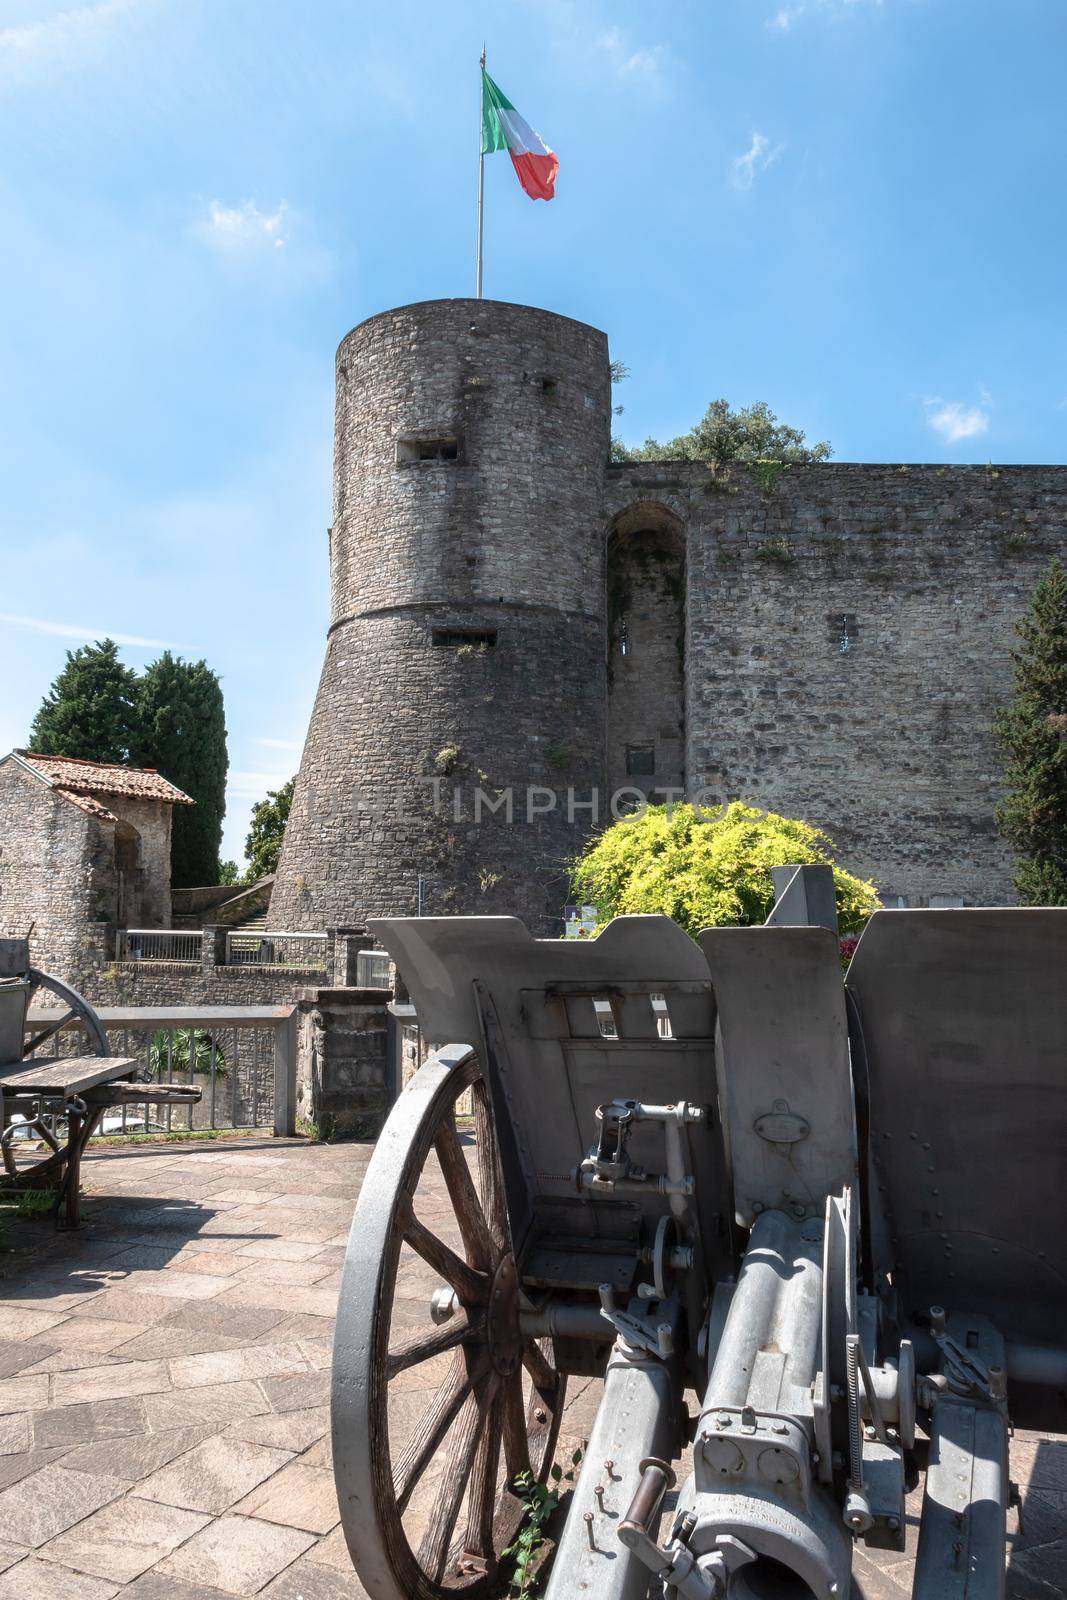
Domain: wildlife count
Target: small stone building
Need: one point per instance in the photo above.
(84, 849)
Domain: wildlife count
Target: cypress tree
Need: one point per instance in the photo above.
(1032, 732)
(182, 733)
(90, 710)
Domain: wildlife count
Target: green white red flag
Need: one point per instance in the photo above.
(503, 129)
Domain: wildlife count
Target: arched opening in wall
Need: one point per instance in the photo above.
(128, 874)
(646, 651)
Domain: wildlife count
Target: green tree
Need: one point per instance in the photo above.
(90, 709)
(1032, 732)
(752, 433)
(229, 872)
(264, 843)
(182, 733)
(708, 867)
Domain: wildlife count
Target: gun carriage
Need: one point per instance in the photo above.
(826, 1212)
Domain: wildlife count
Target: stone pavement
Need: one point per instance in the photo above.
(164, 1380)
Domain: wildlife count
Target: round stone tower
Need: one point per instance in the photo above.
(462, 700)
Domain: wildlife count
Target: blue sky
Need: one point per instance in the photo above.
(850, 209)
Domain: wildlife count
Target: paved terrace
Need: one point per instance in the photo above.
(164, 1381)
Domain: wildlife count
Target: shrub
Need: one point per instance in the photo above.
(708, 867)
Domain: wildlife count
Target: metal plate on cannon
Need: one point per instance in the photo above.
(964, 1017)
(783, 1066)
(557, 1265)
(562, 1027)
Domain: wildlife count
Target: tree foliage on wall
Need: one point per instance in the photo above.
(181, 731)
(708, 867)
(171, 717)
(264, 843)
(90, 710)
(1032, 732)
(747, 435)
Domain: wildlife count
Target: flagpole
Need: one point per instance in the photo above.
(481, 182)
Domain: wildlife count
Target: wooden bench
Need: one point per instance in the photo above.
(42, 1091)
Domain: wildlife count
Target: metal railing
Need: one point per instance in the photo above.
(158, 944)
(242, 1058)
(308, 952)
(373, 969)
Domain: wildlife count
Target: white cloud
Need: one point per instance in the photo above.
(955, 421)
(757, 158)
(66, 630)
(77, 35)
(278, 744)
(644, 63)
(241, 229)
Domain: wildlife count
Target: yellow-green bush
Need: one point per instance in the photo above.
(708, 867)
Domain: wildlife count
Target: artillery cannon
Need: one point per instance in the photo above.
(829, 1210)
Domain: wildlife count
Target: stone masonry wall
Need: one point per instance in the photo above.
(646, 658)
(847, 633)
(467, 642)
(418, 729)
(149, 907)
(525, 396)
(55, 871)
(162, 983)
(923, 570)
(342, 1063)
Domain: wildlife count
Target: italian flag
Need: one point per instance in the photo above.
(504, 129)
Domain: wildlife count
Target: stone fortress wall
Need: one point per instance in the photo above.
(466, 642)
(509, 610)
(847, 640)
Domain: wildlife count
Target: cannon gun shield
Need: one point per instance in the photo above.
(964, 1029)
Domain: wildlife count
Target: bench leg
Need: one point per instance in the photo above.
(74, 1154)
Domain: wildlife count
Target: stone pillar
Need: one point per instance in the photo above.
(342, 1078)
(213, 948)
(345, 944)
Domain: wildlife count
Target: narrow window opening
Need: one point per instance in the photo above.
(415, 450)
(550, 387)
(662, 1016)
(456, 638)
(640, 760)
(845, 631)
(605, 1017)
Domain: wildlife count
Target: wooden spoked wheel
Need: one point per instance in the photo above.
(72, 1011)
(439, 1403)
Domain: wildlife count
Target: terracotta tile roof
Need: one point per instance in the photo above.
(73, 776)
(85, 802)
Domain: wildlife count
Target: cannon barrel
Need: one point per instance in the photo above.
(753, 1462)
(637, 1419)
